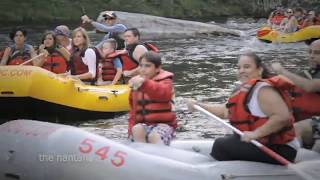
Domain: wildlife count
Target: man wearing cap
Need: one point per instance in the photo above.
(62, 33)
(110, 27)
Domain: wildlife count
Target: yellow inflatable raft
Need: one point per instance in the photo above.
(268, 35)
(27, 91)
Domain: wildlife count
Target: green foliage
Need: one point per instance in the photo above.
(69, 11)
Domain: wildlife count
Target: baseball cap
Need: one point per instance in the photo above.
(62, 30)
(110, 14)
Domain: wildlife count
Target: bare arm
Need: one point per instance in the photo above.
(86, 75)
(219, 110)
(305, 84)
(117, 76)
(5, 56)
(308, 85)
(271, 104)
(39, 61)
(138, 52)
(65, 53)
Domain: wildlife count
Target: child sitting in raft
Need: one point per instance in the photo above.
(110, 67)
(151, 118)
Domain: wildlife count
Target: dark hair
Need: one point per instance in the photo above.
(298, 9)
(134, 31)
(52, 34)
(257, 60)
(113, 43)
(15, 30)
(152, 57)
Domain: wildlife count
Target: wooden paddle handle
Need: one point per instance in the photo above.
(26, 62)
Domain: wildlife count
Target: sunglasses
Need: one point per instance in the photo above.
(108, 18)
(289, 12)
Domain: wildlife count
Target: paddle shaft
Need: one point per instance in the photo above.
(262, 147)
(26, 62)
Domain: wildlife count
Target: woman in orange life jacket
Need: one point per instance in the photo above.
(55, 60)
(260, 111)
(83, 60)
(20, 51)
(135, 51)
(151, 118)
(308, 130)
(110, 67)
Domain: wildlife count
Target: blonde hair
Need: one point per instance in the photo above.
(84, 34)
(112, 42)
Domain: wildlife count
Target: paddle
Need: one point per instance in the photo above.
(263, 148)
(36, 57)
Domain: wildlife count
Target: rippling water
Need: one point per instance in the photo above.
(205, 69)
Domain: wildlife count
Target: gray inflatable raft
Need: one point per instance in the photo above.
(32, 150)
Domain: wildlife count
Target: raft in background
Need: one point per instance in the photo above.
(35, 93)
(266, 34)
(32, 150)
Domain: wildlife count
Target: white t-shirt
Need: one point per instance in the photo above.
(90, 59)
(255, 109)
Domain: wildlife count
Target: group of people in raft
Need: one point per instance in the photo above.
(289, 20)
(267, 107)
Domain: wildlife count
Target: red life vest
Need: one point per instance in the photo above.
(55, 62)
(241, 118)
(108, 70)
(20, 56)
(277, 19)
(1, 54)
(127, 60)
(306, 104)
(151, 111)
(77, 66)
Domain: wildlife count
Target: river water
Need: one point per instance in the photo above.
(205, 69)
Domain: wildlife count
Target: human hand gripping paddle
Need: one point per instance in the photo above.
(262, 147)
(32, 59)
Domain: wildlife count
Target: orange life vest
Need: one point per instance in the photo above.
(241, 118)
(277, 19)
(108, 69)
(150, 111)
(20, 56)
(55, 62)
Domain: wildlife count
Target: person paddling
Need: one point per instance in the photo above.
(151, 118)
(109, 26)
(259, 108)
(20, 51)
(308, 130)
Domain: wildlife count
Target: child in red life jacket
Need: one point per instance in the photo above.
(110, 67)
(151, 118)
